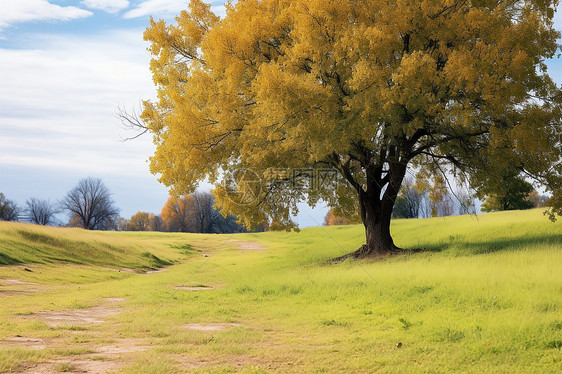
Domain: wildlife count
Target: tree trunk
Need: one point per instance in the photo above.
(376, 216)
(378, 241)
(376, 202)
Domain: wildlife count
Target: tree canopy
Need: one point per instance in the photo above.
(8, 209)
(140, 221)
(368, 88)
(507, 191)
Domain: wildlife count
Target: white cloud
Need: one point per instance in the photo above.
(168, 8)
(57, 118)
(37, 10)
(153, 7)
(110, 6)
(58, 103)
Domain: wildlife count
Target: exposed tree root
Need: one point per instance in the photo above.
(363, 253)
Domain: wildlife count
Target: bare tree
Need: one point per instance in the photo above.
(409, 201)
(40, 212)
(156, 223)
(466, 201)
(446, 206)
(8, 209)
(91, 205)
(197, 213)
(203, 211)
(208, 218)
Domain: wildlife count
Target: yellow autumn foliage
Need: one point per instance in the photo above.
(365, 87)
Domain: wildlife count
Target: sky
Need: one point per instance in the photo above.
(66, 66)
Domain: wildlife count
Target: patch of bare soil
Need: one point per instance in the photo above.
(107, 358)
(155, 271)
(114, 300)
(122, 346)
(210, 326)
(96, 314)
(77, 365)
(86, 316)
(23, 342)
(281, 363)
(17, 282)
(248, 246)
(15, 292)
(123, 270)
(189, 362)
(194, 288)
(16, 286)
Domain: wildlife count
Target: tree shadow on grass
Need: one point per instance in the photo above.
(490, 246)
(459, 246)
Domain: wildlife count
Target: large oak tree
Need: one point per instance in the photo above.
(369, 88)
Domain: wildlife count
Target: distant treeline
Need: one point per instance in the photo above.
(89, 205)
(196, 213)
(423, 198)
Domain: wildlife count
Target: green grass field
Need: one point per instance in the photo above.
(484, 296)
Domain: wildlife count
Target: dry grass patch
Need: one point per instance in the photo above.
(210, 326)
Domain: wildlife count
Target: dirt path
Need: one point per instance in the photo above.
(89, 340)
(103, 358)
(247, 246)
(86, 316)
(89, 350)
(108, 356)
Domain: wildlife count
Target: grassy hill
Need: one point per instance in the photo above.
(485, 295)
(31, 244)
